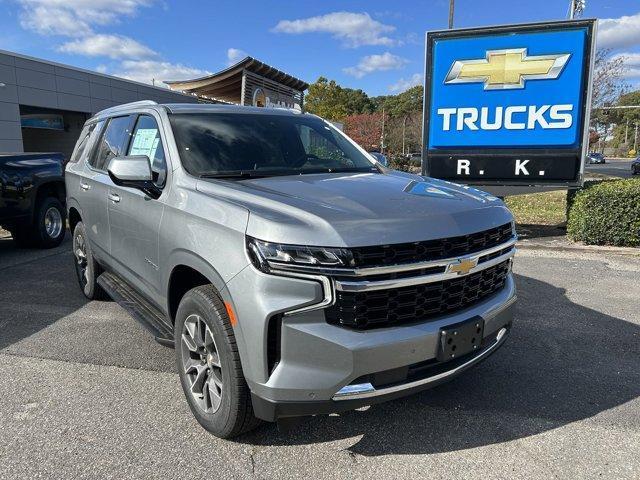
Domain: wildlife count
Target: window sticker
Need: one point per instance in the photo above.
(145, 142)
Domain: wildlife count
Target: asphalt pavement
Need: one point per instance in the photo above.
(87, 393)
(615, 167)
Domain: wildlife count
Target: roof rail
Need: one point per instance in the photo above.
(115, 108)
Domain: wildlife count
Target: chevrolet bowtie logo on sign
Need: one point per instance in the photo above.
(462, 266)
(505, 69)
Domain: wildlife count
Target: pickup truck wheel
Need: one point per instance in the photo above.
(50, 223)
(209, 365)
(48, 227)
(87, 269)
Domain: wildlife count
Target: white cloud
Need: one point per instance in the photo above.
(354, 29)
(234, 55)
(619, 32)
(112, 46)
(77, 19)
(406, 83)
(74, 18)
(154, 71)
(373, 63)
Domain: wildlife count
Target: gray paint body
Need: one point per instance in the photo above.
(203, 224)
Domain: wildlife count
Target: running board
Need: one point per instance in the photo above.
(139, 308)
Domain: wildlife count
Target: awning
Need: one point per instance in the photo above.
(226, 85)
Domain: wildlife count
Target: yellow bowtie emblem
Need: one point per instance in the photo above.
(462, 266)
(506, 69)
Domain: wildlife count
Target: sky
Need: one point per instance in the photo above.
(374, 45)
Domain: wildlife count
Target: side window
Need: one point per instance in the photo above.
(81, 144)
(146, 141)
(322, 145)
(113, 142)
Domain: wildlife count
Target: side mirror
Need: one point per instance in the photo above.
(133, 171)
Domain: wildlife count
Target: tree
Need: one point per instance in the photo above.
(333, 102)
(608, 73)
(324, 99)
(625, 120)
(365, 129)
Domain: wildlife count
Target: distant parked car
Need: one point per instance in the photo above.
(32, 198)
(415, 158)
(635, 167)
(381, 158)
(595, 157)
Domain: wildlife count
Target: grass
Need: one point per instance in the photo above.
(546, 208)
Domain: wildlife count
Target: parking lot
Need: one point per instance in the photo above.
(87, 393)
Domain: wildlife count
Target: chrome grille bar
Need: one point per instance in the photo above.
(369, 285)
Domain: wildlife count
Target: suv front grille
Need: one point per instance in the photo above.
(381, 255)
(383, 308)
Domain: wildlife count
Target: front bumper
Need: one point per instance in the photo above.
(317, 360)
(360, 395)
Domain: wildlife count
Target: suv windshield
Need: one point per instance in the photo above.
(247, 145)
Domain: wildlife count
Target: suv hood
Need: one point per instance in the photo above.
(347, 210)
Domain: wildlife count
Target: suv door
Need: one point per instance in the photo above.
(94, 187)
(134, 217)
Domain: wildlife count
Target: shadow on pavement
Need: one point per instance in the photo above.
(36, 289)
(560, 365)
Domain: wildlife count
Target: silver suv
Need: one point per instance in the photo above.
(293, 274)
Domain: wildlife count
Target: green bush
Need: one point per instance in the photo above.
(400, 162)
(607, 213)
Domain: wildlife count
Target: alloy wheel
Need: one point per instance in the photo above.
(80, 253)
(201, 363)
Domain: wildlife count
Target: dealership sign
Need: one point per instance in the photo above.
(508, 105)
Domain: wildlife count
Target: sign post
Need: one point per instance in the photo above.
(508, 105)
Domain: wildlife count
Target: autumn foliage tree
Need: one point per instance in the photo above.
(365, 129)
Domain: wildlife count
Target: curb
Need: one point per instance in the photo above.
(528, 245)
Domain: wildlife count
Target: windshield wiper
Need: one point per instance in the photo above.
(234, 174)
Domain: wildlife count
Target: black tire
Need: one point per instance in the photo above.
(87, 269)
(230, 413)
(43, 232)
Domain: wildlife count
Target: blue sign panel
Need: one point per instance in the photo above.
(502, 97)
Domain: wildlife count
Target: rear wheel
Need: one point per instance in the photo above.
(48, 227)
(209, 365)
(87, 269)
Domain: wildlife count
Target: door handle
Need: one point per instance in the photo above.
(114, 197)
(85, 186)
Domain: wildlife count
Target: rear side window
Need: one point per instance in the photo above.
(81, 144)
(146, 141)
(113, 143)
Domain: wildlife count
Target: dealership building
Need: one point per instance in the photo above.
(43, 105)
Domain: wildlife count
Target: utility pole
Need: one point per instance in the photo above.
(635, 139)
(382, 135)
(576, 8)
(404, 124)
(626, 132)
(451, 8)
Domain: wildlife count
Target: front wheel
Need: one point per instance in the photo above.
(87, 269)
(209, 365)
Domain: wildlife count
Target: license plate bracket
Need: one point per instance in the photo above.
(460, 339)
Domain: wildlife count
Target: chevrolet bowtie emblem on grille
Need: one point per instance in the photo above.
(507, 69)
(462, 266)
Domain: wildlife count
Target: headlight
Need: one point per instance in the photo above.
(263, 253)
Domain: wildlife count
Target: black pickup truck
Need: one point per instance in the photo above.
(32, 198)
